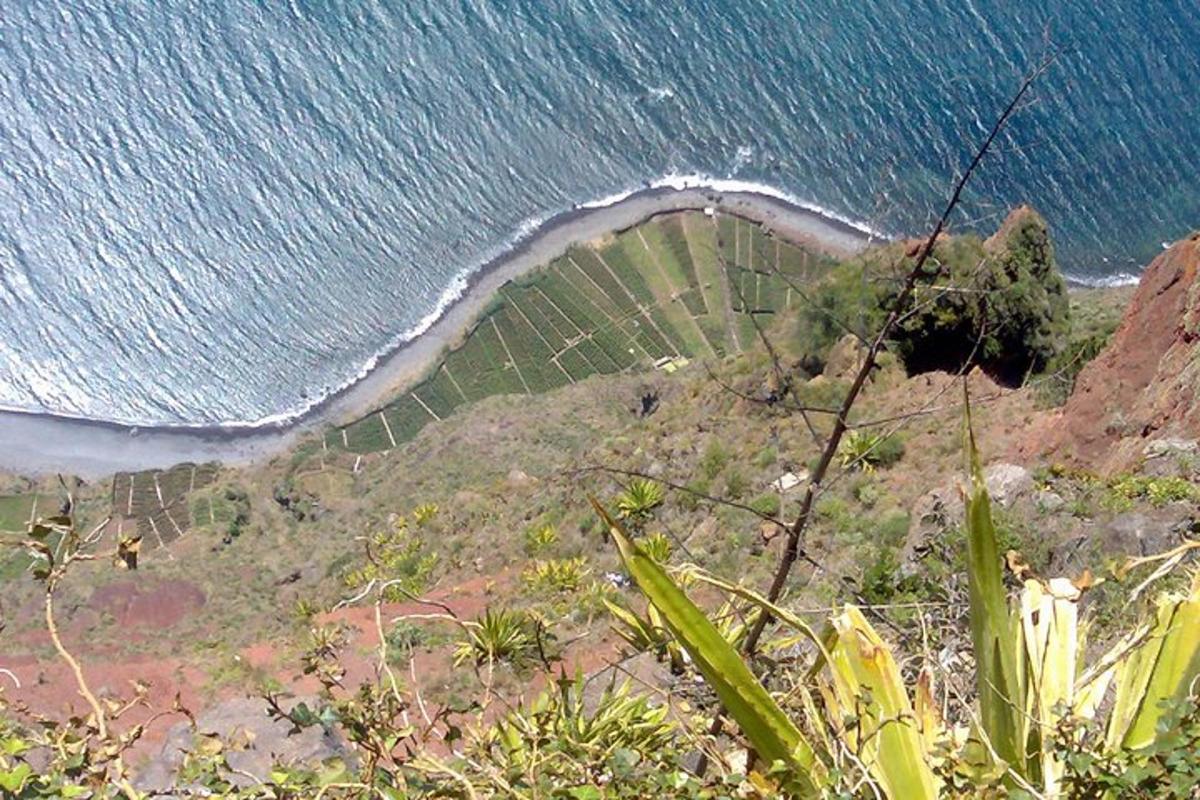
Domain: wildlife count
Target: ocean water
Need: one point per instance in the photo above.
(216, 212)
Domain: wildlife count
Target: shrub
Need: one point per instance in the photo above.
(866, 452)
(883, 583)
(398, 556)
(1003, 306)
(403, 638)
(766, 457)
(565, 738)
(767, 503)
(735, 484)
(1159, 491)
(691, 500)
(714, 460)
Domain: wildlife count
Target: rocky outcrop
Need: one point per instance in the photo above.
(940, 512)
(1143, 387)
(253, 743)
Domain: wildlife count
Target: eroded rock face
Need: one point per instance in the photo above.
(1143, 387)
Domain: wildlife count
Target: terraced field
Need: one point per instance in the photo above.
(155, 503)
(678, 285)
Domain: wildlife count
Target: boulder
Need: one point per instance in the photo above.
(845, 358)
(1141, 534)
(1007, 483)
(1171, 457)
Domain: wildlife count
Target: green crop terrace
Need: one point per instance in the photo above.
(683, 284)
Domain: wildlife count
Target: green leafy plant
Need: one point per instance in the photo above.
(657, 545)
(541, 539)
(640, 498)
(404, 637)
(424, 513)
(562, 730)
(497, 635)
(555, 575)
(1124, 489)
(398, 557)
(866, 452)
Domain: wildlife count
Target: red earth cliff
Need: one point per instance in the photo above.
(1143, 386)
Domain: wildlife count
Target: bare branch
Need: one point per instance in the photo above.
(911, 281)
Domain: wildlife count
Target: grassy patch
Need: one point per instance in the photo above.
(16, 510)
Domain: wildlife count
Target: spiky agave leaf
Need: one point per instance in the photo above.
(858, 678)
(1049, 617)
(769, 730)
(998, 675)
(867, 685)
(1158, 671)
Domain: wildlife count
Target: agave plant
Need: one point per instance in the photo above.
(1029, 676)
(541, 539)
(648, 632)
(424, 512)
(641, 496)
(504, 635)
(582, 730)
(657, 546)
(555, 575)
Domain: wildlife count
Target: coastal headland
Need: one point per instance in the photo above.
(33, 443)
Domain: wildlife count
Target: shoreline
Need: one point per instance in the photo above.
(36, 443)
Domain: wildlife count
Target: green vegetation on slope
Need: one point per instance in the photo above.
(999, 304)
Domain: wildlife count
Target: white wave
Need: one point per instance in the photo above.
(700, 181)
(1106, 281)
(454, 292)
(612, 199)
(741, 158)
(526, 230)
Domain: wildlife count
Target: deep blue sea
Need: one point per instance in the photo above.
(218, 211)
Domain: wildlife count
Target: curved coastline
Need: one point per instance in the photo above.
(35, 443)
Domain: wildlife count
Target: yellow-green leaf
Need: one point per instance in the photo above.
(1158, 672)
(887, 736)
